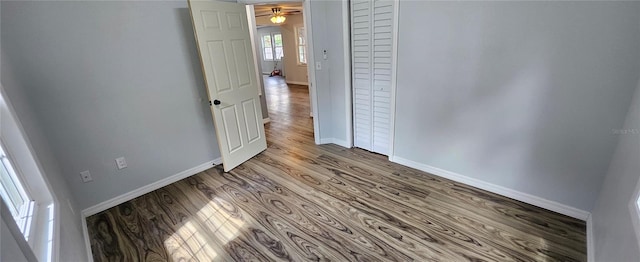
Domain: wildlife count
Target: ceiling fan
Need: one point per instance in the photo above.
(286, 11)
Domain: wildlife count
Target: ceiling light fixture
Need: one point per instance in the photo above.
(277, 17)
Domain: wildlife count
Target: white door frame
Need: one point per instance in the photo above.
(394, 79)
(253, 33)
(311, 69)
(346, 37)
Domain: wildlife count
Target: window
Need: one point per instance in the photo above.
(50, 232)
(14, 195)
(272, 47)
(301, 40)
(23, 189)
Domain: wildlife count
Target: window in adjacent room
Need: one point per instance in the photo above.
(14, 195)
(272, 48)
(301, 40)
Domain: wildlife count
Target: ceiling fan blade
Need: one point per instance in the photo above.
(283, 13)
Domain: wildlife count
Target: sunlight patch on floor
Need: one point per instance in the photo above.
(210, 230)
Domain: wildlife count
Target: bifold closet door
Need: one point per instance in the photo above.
(371, 48)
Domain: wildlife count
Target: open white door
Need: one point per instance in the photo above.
(222, 36)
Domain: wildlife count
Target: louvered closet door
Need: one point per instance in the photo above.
(371, 40)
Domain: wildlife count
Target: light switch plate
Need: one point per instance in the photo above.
(121, 163)
(318, 65)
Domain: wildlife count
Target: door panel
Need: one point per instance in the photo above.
(221, 81)
(253, 131)
(222, 36)
(240, 50)
(210, 19)
(231, 127)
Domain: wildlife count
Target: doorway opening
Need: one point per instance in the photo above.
(281, 55)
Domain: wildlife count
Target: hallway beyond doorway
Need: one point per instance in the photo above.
(288, 104)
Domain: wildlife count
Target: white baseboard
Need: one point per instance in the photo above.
(332, 140)
(148, 188)
(266, 120)
(297, 83)
(591, 245)
(510, 193)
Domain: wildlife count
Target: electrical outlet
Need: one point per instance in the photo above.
(121, 162)
(86, 176)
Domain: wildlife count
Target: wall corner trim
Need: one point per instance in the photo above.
(266, 120)
(148, 188)
(504, 191)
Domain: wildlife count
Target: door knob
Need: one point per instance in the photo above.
(216, 102)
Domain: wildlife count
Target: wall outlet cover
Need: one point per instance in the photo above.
(121, 163)
(86, 176)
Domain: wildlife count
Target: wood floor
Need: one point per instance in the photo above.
(301, 202)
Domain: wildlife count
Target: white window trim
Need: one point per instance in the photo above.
(44, 237)
(26, 222)
(306, 52)
(273, 46)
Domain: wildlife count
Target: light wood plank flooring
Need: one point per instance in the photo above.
(301, 202)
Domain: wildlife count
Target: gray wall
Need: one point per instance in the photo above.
(327, 21)
(110, 79)
(615, 237)
(519, 94)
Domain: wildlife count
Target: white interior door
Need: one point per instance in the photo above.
(224, 44)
